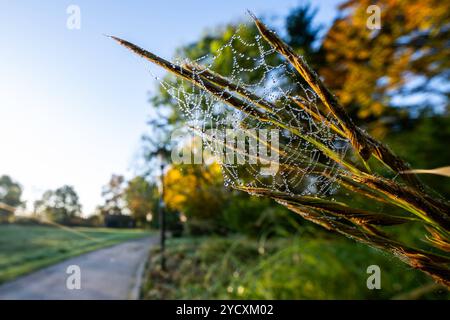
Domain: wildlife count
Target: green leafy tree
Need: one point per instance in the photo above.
(10, 197)
(303, 35)
(61, 205)
(142, 200)
(113, 193)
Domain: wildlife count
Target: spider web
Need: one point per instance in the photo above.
(254, 67)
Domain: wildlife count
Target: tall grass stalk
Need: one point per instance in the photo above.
(411, 195)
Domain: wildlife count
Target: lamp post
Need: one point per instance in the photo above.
(162, 217)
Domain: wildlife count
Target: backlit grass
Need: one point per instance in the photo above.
(24, 249)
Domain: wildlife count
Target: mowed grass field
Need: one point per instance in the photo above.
(25, 248)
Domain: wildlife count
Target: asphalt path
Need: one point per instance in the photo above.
(110, 273)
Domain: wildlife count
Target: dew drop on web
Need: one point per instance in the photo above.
(258, 70)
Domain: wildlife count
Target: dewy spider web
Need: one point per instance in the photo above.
(259, 72)
(259, 88)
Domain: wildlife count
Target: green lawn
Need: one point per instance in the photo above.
(26, 248)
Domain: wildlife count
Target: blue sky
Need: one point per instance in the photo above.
(73, 104)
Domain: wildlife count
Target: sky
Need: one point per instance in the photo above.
(74, 104)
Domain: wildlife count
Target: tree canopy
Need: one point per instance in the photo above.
(385, 75)
(10, 195)
(60, 205)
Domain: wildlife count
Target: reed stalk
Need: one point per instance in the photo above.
(360, 224)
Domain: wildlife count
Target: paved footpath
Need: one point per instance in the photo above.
(110, 273)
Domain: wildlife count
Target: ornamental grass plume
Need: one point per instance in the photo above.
(417, 203)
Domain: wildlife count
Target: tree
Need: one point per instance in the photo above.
(10, 195)
(303, 35)
(142, 199)
(61, 205)
(197, 192)
(114, 211)
(403, 64)
(113, 194)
